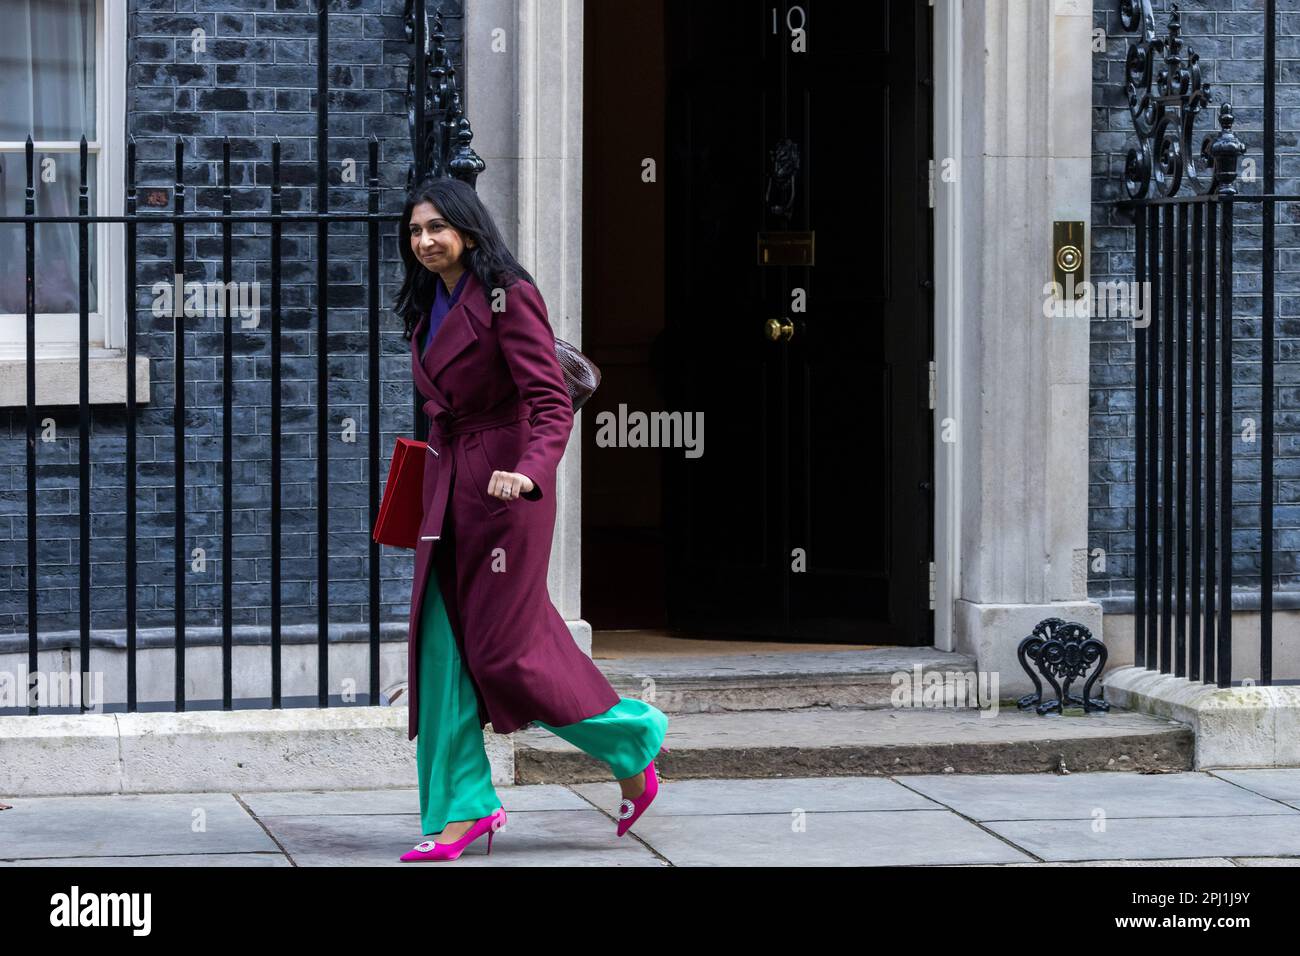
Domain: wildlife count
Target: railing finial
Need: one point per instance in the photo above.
(1223, 152)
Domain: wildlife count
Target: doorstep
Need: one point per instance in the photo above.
(731, 715)
(826, 742)
(352, 748)
(684, 683)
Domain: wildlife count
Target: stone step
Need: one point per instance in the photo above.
(719, 683)
(827, 742)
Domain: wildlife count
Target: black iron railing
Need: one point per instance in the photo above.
(440, 138)
(1183, 203)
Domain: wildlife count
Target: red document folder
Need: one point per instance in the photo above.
(402, 509)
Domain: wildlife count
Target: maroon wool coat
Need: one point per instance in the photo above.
(496, 400)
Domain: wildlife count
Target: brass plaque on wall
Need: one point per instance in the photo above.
(785, 248)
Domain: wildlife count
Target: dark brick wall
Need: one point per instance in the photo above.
(255, 80)
(1229, 36)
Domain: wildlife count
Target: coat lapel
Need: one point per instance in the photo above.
(454, 336)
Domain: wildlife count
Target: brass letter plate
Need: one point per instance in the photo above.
(785, 248)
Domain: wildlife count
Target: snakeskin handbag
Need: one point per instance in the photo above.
(580, 373)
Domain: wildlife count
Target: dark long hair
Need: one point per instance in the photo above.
(489, 259)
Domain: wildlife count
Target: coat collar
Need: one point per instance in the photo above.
(456, 333)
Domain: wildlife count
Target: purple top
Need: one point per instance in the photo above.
(442, 303)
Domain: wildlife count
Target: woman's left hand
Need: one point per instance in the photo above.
(509, 485)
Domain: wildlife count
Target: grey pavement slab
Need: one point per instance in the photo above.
(529, 838)
(1277, 784)
(128, 825)
(168, 860)
(1191, 861)
(1079, 796)
(845, 838)
(1155, 838)
(401, 801)
(1175, 820)
(705, 797)
(1268, 861)
(322, 802)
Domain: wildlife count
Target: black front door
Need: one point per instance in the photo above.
(798, 258)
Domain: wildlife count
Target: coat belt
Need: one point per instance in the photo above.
(443, 425)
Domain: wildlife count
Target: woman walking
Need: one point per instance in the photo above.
(485, 642)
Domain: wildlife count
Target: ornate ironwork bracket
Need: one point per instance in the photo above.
(440, 133)
(1064, 650)
(1164, 117)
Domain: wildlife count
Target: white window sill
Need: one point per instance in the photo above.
(58, 377)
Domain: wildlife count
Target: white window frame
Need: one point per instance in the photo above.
(57, 333)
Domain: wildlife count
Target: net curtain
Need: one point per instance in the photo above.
(47, 89)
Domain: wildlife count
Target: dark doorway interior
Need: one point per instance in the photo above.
(809, 515)
(623, 309)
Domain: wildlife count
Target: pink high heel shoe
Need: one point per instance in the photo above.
(429, 850)
(630, 809)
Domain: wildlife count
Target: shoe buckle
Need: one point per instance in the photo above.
(425, 847)
(626, 809)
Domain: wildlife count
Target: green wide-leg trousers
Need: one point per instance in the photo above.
(455, 776)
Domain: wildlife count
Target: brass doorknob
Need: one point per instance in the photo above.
(780, 329)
